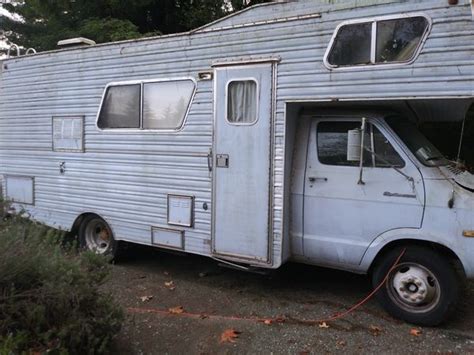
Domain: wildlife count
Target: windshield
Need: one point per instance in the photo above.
(419, 145)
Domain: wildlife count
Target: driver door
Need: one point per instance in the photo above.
(342, 217)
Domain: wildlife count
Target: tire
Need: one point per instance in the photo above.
(95, 235)
(422, 289)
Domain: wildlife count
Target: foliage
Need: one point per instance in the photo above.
(49, 294)
(47, 21)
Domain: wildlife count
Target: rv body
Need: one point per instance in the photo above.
(231, 168)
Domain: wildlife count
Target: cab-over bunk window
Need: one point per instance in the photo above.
(377, 41)
(156, 105)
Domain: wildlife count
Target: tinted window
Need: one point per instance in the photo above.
(352, 45)
(121, 107)
(166, 103)
(397, 40)
(242, 99)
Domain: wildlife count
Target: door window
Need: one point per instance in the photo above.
(332, 146)
(242, 102)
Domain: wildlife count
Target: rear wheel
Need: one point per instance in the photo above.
(422, 289)
(95, 235)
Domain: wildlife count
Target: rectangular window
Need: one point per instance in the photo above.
(352, 45)
(332, 143)
(378, 41)
(162, 106)
(165, 103)
(121, 107)
(397, 40)
(242, 102)
(332, 146)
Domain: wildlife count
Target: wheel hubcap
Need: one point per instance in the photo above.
(414, 288)
(98, 236)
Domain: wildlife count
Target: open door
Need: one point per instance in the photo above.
(243, 104)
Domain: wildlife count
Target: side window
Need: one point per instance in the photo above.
(332, 143)
(242, 102)
(146, 105)
(121, 107)
(332, 146)
(165, 103)
(394, 40)
(352, 45)
(386, 156)
(397, 40)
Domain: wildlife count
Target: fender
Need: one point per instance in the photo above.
(408, 234)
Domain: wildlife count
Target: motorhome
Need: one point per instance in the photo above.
(284, 132)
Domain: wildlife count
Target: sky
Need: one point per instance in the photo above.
(4, 12)
(8, 14)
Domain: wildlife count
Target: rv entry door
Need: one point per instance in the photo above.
(242, 153)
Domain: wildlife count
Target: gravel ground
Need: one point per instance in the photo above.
(273, 313)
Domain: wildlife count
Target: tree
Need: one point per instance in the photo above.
(45, 22)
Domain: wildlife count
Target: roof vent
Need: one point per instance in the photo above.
(76, 42)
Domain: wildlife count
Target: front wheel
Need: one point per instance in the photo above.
(96, 235)
(422, 289)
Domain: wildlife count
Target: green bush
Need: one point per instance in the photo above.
(49, 293)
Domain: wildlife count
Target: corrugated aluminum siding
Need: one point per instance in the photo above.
(125, 177)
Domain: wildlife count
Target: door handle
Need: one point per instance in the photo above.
(317, 179)
(209, 160)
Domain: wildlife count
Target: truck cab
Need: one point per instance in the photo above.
(399, 196)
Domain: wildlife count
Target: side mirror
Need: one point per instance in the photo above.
(354, 142)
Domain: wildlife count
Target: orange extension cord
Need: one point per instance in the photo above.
(272, 320)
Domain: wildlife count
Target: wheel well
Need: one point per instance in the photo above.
(78, 221)
(406, 243)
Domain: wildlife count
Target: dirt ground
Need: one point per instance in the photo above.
(184, 304)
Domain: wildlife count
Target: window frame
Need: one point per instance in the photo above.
(142, 85)
(257, 109)
(370, 121)
(373, 47)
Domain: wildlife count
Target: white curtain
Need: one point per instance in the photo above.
(242, 102)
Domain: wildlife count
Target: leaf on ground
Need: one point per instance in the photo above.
(341, 343)
(374, 330)
(146, 298)
(170, 285)
(229, 336)
(415, 332)
(176, 310)
(323, 325)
